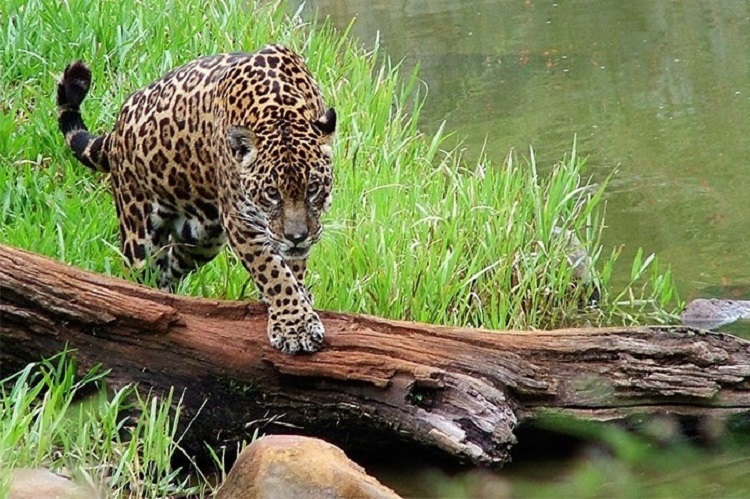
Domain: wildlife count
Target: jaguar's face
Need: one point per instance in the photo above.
(288, 175)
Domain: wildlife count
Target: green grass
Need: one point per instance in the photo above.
(416, 231)
(51, 419)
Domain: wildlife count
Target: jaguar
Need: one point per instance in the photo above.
(232, 148)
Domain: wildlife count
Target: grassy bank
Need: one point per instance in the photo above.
(415, 232)
(43, 423)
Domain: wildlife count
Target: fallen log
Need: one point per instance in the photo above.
(459, 391)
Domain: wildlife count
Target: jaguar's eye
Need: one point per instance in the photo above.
(312, 189)
(241, 151)
(273, 195)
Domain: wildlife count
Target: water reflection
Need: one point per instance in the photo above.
(659, 90)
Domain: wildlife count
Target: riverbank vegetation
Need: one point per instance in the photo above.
(416, 231)
(117, 443)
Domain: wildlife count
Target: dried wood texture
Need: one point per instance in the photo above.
(456, 390)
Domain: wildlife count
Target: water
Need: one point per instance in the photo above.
(657, 90)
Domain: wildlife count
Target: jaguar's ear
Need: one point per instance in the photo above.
(241, 142)
(326, 123)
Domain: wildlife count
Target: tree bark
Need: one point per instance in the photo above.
(460, 391)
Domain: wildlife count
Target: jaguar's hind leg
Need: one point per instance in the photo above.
(193, 243)
(144, 234)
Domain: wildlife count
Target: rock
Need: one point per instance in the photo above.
(37, 483)
(712, 313)
(294, 467)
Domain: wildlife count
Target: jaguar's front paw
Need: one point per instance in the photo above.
(292, 333)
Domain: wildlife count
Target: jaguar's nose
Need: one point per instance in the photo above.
(296, 237)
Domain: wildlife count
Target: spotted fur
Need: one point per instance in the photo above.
(230, 147)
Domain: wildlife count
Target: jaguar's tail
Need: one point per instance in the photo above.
(71, 90)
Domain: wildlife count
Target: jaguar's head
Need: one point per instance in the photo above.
(288, 174)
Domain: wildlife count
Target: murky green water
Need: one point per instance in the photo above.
(657, 89)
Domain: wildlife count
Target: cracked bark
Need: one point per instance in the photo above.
(459, 391)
